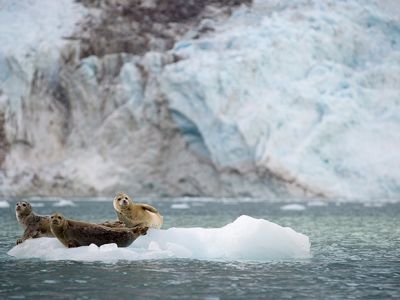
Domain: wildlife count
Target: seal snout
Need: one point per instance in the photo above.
(21, 206)
(121, 200)
(56, 219)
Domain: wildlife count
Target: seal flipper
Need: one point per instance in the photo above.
(113, 224)
(140, 230)
(148, 207)
(28, 233)
(73, 244)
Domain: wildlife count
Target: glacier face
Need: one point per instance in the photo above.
(281, 98)
(309, 91)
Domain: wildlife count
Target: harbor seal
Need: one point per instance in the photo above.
(34, 225)
(142, 215)
(76, 233)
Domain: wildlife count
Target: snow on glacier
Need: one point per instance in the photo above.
(246, 238)
(308, 90)
(26, 26)
(32, 34)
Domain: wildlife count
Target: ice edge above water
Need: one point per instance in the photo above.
(246, 239)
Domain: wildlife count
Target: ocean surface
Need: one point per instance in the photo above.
(355, 254)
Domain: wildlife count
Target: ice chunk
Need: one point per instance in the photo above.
(180, 206)
(4, 204)
(298, 207)
(63, 202)
(246, 238)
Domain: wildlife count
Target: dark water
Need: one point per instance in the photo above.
(356, 254)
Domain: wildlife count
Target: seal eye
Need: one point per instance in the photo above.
(59, 217)
(119, 199)
(24, 205)
(126, 198)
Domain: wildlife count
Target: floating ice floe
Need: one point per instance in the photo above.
(37, 204)
(297, 207)
(180, 206)
(4, 204)
(245, 239)
(63, 202)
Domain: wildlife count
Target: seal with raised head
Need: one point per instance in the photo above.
(34, 225)
(136, 214)
(76, 233)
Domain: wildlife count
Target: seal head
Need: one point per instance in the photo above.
(22, 208)
(136, 214)
(57, 220)
(122, 202)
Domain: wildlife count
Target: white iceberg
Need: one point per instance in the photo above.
(4, 204)
(63, 203)
(180, 206)
(246, 239)
(297, 207)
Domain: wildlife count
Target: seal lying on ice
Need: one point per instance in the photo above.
(36, 226)
(76, 233)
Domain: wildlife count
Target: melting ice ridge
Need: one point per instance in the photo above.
(246, 238)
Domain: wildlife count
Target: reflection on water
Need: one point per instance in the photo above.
(355, 254)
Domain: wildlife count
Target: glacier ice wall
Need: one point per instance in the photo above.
(308, 91)
(280, 98)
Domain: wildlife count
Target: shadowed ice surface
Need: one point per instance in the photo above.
(354, 254)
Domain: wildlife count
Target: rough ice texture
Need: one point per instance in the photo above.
(245, 239)
(280, 98)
